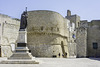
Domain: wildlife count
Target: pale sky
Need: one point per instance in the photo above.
(86, 9)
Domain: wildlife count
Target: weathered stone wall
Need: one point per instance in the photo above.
(46, 45)
(84, 23)
(72, 49)
(9, 33)
(75, 19)
(94, 37)
(81, 40)
(72, 40)
(45, 32)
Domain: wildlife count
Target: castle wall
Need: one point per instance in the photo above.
(46, 45)
(47, 34)
(51, 35)
(9, 33)
(94, 38)
(81, 40)
(72, 40)
(75, 19)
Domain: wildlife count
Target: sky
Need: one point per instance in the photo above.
(86, 9)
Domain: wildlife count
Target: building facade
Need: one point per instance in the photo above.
(49, 34)
(8, 35)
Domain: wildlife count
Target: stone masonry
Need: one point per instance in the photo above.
(8, 33)
(49, 34)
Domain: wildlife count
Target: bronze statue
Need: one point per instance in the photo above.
(23, 23)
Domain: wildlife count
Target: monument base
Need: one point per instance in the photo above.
(20, 56)
(21, 53)
(19, 62)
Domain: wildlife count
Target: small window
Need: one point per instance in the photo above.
(57, 29)
(95, 45)
(75, 41)
(0, 51)
(78, 24)
(33, 28)
(51, 28)
(73, 36)
(42, 28)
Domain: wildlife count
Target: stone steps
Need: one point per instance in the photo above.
(20, 56)
(19, 62)
(21, 53)
(21, 49)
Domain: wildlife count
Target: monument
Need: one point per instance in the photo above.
(21, 54)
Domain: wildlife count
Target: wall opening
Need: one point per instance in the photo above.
(51, 28)
(95, 45)
(0, 51)
(78, 24)
(33, 28)
(57, 29)
(63, 50)
(42, 28)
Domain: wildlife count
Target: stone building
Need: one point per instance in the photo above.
(9, 29)
(93, 38)
(49, 34)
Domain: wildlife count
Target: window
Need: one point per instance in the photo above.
(51, 28)
(95, 45)
(42, 28)
(57, 29)
(33, 28)
(78, 24)
(73, 36)
(0, 51)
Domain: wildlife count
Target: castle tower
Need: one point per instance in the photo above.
(68, 13)
(73, 18)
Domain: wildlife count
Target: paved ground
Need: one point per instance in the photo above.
(59, 62)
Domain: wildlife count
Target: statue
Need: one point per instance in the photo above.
(23, 23)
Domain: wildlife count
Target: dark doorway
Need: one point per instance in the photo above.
(0, 51)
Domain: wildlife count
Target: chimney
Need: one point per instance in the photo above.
(68, 13)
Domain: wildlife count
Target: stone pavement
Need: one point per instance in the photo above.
(59, 62)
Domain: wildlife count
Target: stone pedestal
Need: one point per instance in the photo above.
(22, 51)
(21, 54)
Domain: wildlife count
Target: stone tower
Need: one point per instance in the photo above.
(73, 18)
(47, 34)
(68, 13)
